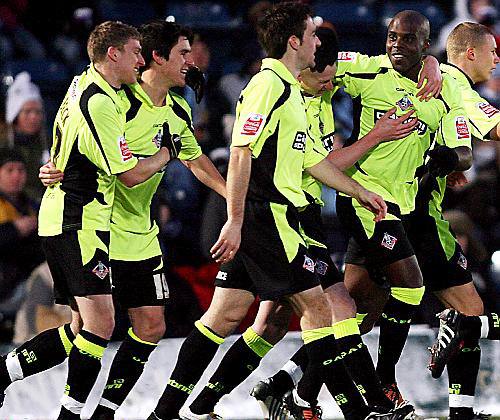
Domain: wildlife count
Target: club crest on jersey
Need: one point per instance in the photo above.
(100, 270)
(462, 128)
(489, 110)
(462, 261)
(404, 103)
(389, 241)
(253, 124)
(321, 267)
(308, 264)
(300, 141)
(157, 139)
(221, 275)
(125, 152)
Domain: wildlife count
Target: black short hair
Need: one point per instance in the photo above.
(327, 53)
(10, 155)
(279, 23)
(161, 36)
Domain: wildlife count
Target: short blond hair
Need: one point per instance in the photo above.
(465, 35)
(109, 34)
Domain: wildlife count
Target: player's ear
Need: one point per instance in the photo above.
(113, 53)
(157, 58)
(294, 42)
(470, 53)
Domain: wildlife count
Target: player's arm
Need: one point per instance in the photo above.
(238, 177)
(495, 133)
(326, 172)
(387, 128)
(431, 75)
(203, 169)
(145, 168)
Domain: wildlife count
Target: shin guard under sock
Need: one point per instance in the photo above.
(127, 367)
(84, 364)
(45, 350)
(242, 358)
(394, 328)
(196, 353)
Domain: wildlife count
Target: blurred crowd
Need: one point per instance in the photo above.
(37, 61)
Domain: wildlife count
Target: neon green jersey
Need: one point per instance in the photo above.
(321, 130)
(392, 169)
(271, 121)
(483, 117)
(89, 146)
(133, 231)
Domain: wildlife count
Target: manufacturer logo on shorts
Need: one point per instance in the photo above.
(300, 141)
(221, 275)
(389, 241)
(321, 267)
(462, 261)
(308, 264)
(462, 128)
(100, 270)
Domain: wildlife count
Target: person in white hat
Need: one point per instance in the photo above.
(26, 132)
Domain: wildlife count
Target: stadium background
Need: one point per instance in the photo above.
(48, 41)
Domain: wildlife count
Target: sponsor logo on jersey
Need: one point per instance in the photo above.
(124, 150)
(421, 126)
(488, 109)
(221, 275)
(308, 264)
(389, 241)
(346, 56)
(253, 124)
(404, 103)
(462, 128)
(462, 261)
(321, 267)
(328, 142)
(100, 270)
(300, 141)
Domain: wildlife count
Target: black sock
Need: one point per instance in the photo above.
(84, 364)
(323, 368)
(494, 326)
(463, 369)
(394, 328)
(126, 369)
(65, 414)
(238, 363)
(281, 380)
(359, 364)
(195, 355)
(45, 350)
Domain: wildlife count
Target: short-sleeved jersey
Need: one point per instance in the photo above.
(271, 121)
(483, 117)
(392, 169)
(321, 127)
(133, 230)
(89, 146)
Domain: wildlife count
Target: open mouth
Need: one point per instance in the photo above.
(398, 56)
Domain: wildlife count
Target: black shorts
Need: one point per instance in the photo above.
(272, 261)
(386, 244)
(440, 257)
(79, 264)
(312, 225)
(139, 283)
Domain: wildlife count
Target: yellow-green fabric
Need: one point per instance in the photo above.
(207, 333)
(68, 345)
(308, 336)
(410, 296)
(256, 343)
(345, 328)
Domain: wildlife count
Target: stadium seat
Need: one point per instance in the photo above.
(343, 14)
(128, 11)
(207, 15)
(41, 71)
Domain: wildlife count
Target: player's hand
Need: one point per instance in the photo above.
(172, 143)
(443, 160)
(228, 243)
(196, 81)
(389, 128)
(49, 174)
(431, 74)
(373, 202)
(456, 179)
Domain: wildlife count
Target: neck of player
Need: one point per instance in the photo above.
(155, 86)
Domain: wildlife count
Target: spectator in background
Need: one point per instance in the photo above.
(20, 250)
(26, 132)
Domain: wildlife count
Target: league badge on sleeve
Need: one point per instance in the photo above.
(488, 110)
(346, 56)
(462, 128)
(125, 152)
(253, 125)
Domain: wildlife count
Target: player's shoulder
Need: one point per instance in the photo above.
(180, 100)
(361, 63)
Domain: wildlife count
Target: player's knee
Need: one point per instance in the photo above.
(151, 328)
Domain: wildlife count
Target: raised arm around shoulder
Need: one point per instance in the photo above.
(203, 169)
(145, 168)
(431, 73)
(495, 133)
